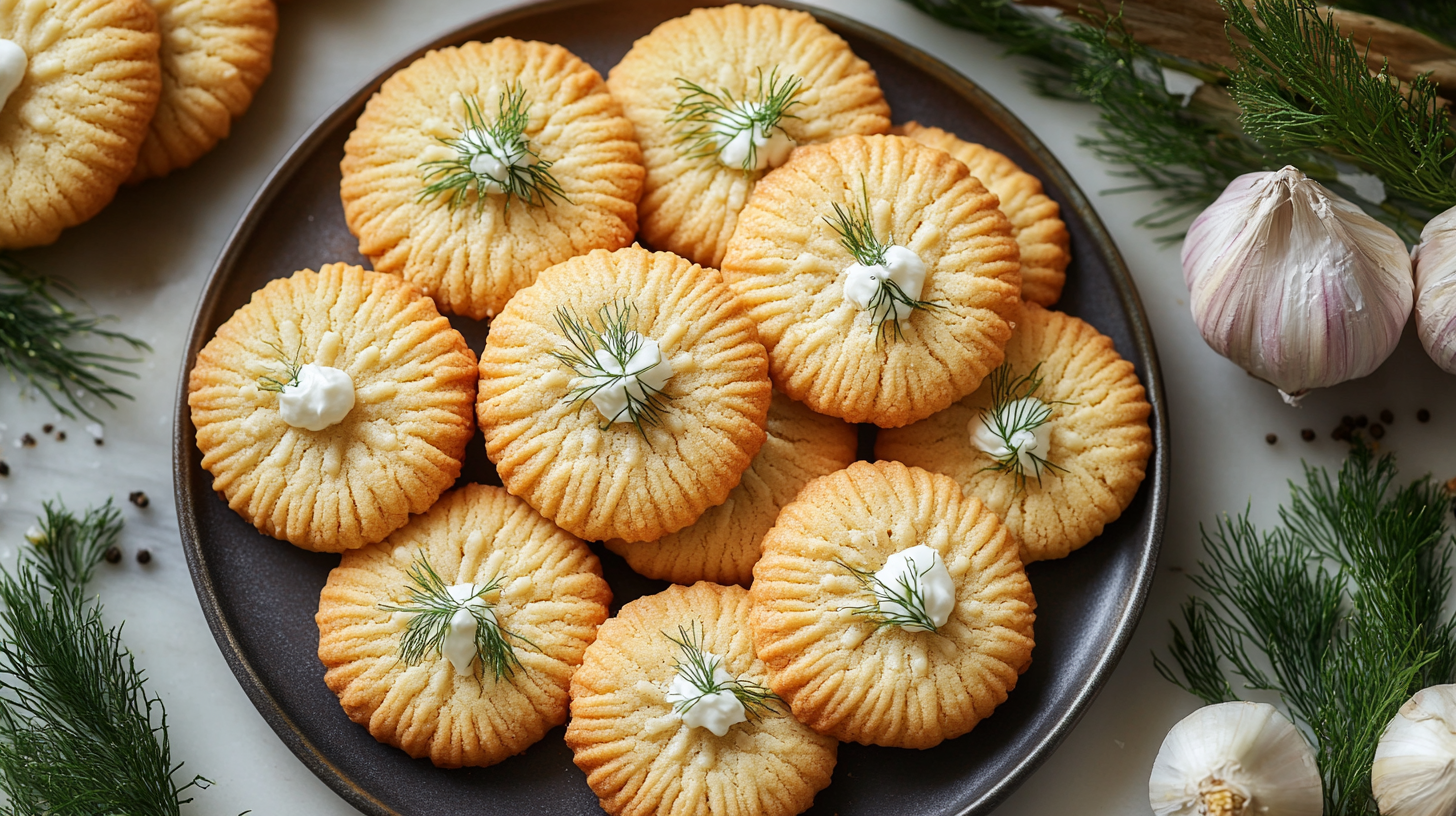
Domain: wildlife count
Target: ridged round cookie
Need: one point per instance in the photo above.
(786, 261)
(70, 131)
(471, 257)
(215, 54)
(691, 204)
(551, 599)
(396, 450)
(638, 755)
(852, 679)
(615, 481)
(1036, 222)
(1099, 440)
(724, 544)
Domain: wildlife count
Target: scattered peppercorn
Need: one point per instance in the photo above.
(138, 498)
(1341, 433)
(1347, 421)
(1361, 421)
(1377, 430)
(1270, 438)
(1423, 415)
(144, 556)
(100, 442)
(4, 468)
(1386, 417)
(60, 436)
(47, 428)
(1307, 434)
(27, 441)
(112, 555)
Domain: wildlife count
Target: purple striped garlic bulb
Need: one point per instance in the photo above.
(1435, 262)
(1295, 284)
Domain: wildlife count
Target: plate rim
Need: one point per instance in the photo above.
(1156, 481)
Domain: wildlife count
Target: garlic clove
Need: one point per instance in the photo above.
(1415, 762)
(1235, 759)
(1296, 285)
(1435, 268)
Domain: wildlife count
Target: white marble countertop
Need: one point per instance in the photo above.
(145, 259)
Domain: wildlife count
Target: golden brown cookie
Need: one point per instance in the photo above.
(561, 361)
(732, 55)
(867, 342)
(1036, 222)
(332, 406)
(80, 81)
(825, 618)
(724, 544)
(477, 167)
(642, 726)
(1084, 445)
(524, 599)
(215, 54)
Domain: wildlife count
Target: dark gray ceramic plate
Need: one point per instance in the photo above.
(260, 595)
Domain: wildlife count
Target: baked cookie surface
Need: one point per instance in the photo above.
(724, 544)
(214, 54)
(406, 415)
(642, 757)
(545, 595)
(440, 118)
(596, 473)
(692, 201)
(1094, 435)
(793, 267)
(86, 82)
(1035, 219)
(817, 622)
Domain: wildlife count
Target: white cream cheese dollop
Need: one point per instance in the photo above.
(1027, 444)
(737, 134)
(322, 398)
(716, 712)
(12, 69)
(901, 266)
(921, 567)
(647, 370)
(459, 644)
(492, 160)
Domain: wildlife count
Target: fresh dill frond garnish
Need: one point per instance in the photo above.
(37, 342)
(79, 732)
(1014, 411)
(1339, 611)
(855, 224)
(612, 335)
(431, 606)
(526, 176)
(698, 668)
(291, 369)
(905, 599)
(711, 120)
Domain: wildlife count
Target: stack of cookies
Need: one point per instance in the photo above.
(690, 408)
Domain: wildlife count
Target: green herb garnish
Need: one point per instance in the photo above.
(698, 668)
(1016, 411)
(585, 339)
(711, 120)
(525, 177)
(905, 599)
(856, 231)
(291, 369)
(432, 606)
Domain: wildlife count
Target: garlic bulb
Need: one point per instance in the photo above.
(1295, 284)
(1435, 262)
(1415, 763)
(1235, 759)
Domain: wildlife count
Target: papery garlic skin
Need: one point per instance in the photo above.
(1296, 285)
(1235, 758)
(1435, 265)
(1415, 762)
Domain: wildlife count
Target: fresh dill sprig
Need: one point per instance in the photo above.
(78, 731)
(855, 225)
(431, 606)
(1339, 610)
(698, 668)
(291, 369)
(712, 119)
(526, 176)
(614, 336)
(906, 599)
(37, 333)
(1016, 410)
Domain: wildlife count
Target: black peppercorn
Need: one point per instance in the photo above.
(1386, 417)
(1377, 430)
(1341, 433)
(1423, 415)
(4, 468)
(1348, 421)
(138, 498)
(60, 436)
(1307, 434)
(47, 428)
(1270, 438)
(1361, 421)
(27, 441)
(144, 556)
(112, 555)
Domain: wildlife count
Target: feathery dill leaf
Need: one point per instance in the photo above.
(79, 734)
(854, 222)
(698, 668)
(37, 333)
(710, 119)
(615, 337)
(291, 369)
(906, 600)
(526, 176)
(1015, 410)
(1338, 610)
(431, 607)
